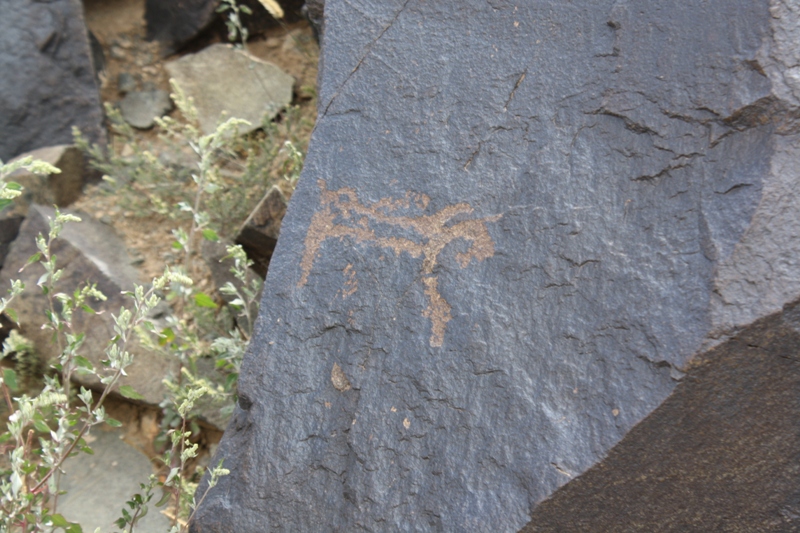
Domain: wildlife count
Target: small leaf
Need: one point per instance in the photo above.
(41, 426)
(164, 499)
(58, 521)
(82, 362)
(32, 259)
(246, 10)
(113, 422)
(12, 315)
(88, 309)
(10, 379)
(176, 245)
(204, 300)
(128, 392)
(167, 336)
(210, 235)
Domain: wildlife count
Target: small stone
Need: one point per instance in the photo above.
(139, 109)
(117, 53)
(126, 83)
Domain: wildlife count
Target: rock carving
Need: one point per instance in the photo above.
(342, 215)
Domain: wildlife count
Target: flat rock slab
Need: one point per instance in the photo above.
(98, 485)
(226, 82)
(517, 227)
(89, 252)
(47, 84)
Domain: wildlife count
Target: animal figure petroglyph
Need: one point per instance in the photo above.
(343, 215)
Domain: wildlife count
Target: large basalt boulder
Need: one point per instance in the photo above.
(47, 79)
(520, 227)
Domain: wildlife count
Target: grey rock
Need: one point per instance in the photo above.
(140, 108)
(226, 82)
(732, 419)
(47, 80)
(259, 233)
(126, 83)
(60, 189)
(314, 11)
(89, 252)
(98, 485)
(518, 229)
(9, 229)
(176, 24)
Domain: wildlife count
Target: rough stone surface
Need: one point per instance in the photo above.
(140, 108)
(60, 189)
(222, 79)
(47, 80)
(259, 233)
(517, 226)
(176, 23)
(99, 485)
(720, 454)
(89, 252)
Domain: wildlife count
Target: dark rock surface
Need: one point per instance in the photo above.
(47, 79)
(259, 233)
(175, 23)
(516, 227)
(314, 11)
(720, 454)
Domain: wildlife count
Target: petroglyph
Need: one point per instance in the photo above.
(343, 215)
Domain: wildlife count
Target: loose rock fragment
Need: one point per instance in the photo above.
(226, 82)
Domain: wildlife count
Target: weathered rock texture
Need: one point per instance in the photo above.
(47, 80)
(720, 454)
(226, 82)
(89, 252)
(517, 226)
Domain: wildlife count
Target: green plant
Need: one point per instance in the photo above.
(236, 27)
